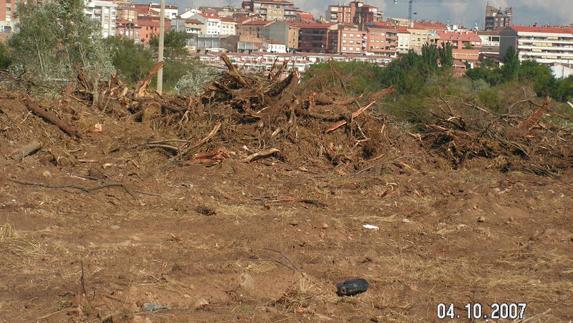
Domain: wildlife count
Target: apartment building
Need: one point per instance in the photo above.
(489, 43)
(355, 13)
(317, 37)
(171, 10)
(271, 9)
(126, 11)
(228, 26)
(251, 29)
(497, 18)
(150, 27)
(8, 15)
(459, 39)
(352, 40)
(404, 39)
(128, 29)
(105, 12)
(382, 40)
(189, 26)
(543, 44)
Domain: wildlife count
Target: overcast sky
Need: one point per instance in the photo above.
(465, 12)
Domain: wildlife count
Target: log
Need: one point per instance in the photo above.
(360, 111)
(235, 74)
(27, 150)
(354, 115)
(52, 118)
(204, 140)
(143, 84)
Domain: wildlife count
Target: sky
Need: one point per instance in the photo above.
(461, 12)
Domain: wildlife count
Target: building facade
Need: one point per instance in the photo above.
(271, 9)
(150, 27)
(355, 13)
(545, 45)
(105, 12)
(317, 37)
(8, 15)
(497, 18)
(352, 40)
(383, 40)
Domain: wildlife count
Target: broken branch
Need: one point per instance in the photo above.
(51, 117)
(261, 154)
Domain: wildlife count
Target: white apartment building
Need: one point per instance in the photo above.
(546, 45)
(228, 27)
(105, 12)
(212, 24)
(171, 11)
(8, 15)
(404, 39)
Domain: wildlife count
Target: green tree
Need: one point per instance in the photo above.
(56, 40)
(564, 89)
(540, 75)
(446, 55)
(132, 61)
(430, 58)
(510, 68)
(5, 57)
(174, 44)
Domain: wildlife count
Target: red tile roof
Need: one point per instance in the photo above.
(193, 21)
(256, 22)
(142, 9)
(312, 25)
(209, 14)
(459, 36)
(228, 19)
(544, 29)
(429, 25)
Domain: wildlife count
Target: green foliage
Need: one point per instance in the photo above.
(488, 71)
(564, 89)
(174, 44)
(510, 68)
(446, 55)
(132, 61)
(412, 72)
(56, 40)
(5, 57)
(358, 77)
(540, 75)
(194, 81)
(529, 72)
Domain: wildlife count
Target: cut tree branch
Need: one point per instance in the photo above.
(51, 117)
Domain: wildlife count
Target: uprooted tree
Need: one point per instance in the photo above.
(56, 40)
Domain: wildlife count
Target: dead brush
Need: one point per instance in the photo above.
(12, 244)
(6, 232)
(304, 291)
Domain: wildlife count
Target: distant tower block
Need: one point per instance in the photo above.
(497, 18)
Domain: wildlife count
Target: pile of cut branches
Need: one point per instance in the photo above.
(514, 141)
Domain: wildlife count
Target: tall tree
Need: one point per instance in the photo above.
(56, 39)
(446, 55)
(510, 68)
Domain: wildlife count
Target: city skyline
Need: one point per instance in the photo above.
(465, 12)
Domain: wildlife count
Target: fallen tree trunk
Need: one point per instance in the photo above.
(52, 118)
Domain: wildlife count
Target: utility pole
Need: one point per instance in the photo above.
(161, 44)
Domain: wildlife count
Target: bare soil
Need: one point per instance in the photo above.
(267, 241)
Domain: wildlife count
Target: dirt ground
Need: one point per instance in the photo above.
(265, 241)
